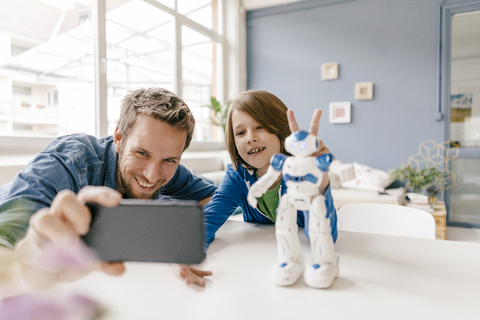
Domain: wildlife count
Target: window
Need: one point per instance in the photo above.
(47, 65)
(84, 17)
(23, 91)
(52, 98)
(45, 57)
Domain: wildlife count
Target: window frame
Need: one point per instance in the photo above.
(233, 73)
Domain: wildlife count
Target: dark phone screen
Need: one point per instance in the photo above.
(142, 230)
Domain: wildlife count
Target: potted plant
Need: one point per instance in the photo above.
(432, 192)
(417, 178)
(221, 112)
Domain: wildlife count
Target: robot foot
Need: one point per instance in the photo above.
(322, 276)
(287, 273)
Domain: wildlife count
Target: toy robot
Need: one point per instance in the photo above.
(303, 175)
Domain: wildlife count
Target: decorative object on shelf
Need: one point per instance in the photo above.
(340, 112)
(364, 90)
(329, 71)
(461, 107)
(432, 192)
(435, 155)
(220, 112)
(416, 178)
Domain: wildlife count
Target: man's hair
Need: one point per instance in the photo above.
(160, 104)
(266, 109)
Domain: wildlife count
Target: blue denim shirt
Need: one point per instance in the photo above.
(73, 162)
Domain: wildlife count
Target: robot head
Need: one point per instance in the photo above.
(301, 144)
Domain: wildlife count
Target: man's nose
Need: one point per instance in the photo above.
(153, 172)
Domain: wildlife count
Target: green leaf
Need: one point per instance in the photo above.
(214, 102)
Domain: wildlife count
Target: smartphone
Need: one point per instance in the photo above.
(147, 230)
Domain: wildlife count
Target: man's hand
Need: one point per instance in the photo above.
(61, 226)
(189, 274)
(314, 127)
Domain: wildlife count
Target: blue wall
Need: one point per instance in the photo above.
(392, 43)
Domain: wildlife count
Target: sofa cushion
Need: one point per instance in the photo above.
(339, 173)
(368, 179)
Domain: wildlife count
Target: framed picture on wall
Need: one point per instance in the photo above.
(340, 112)
(329, 71)
(364, 90)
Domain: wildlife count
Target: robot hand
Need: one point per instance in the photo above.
(261, 186)
(254, 193)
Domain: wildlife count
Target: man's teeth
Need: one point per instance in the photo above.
(255, 150)
(145, 185)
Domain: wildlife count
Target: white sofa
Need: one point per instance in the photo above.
(342, 196)
(212, 165)
(356, 183)
(209, 165)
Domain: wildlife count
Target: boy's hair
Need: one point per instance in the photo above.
(160, 104)
(266, 109)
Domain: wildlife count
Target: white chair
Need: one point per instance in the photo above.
(386, 219)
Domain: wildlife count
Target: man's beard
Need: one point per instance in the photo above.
(127, 187)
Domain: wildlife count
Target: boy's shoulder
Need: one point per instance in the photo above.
(241, 173)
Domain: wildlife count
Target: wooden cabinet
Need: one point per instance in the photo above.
(440, 215)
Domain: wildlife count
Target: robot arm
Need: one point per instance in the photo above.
(262, 185)
(323, 161)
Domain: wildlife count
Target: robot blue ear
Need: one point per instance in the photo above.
(324, 161)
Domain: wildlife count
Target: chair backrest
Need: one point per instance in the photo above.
(386, 219)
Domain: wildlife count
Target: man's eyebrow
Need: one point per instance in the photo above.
(138, 148)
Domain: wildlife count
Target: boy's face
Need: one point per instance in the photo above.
(254, 144)
(148, 158)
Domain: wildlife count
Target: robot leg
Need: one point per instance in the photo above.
(324, 269)
(291, 263)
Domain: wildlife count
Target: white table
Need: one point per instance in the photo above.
(381, 277)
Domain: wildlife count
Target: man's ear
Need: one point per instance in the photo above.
(117, 139)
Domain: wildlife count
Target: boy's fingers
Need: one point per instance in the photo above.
(315, 124)
(292, 122)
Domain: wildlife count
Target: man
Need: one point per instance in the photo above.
(44, 204)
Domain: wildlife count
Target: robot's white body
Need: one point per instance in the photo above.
(303, 176)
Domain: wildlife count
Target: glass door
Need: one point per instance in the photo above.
(464, 197)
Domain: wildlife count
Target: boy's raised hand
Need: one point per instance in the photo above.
(314, 127)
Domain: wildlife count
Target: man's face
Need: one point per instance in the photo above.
(148, 158)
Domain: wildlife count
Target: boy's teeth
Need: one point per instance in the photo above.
(256, 150)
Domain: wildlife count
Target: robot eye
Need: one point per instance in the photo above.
(292, 146)
(303, 145)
